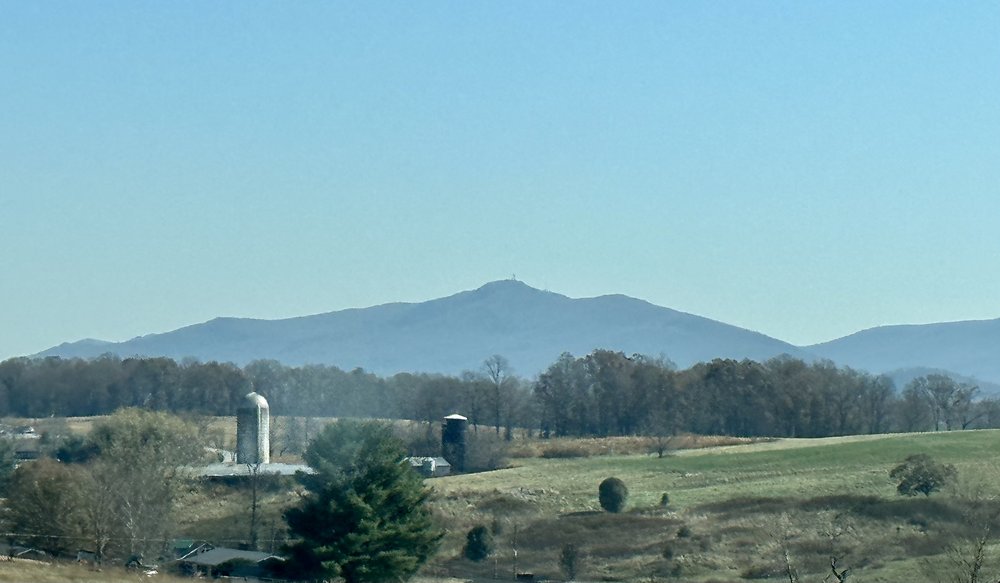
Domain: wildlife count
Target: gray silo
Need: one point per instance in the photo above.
(453, 441)
(252, 431)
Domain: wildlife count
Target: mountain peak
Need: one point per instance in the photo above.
(504, 285)
(508, 290)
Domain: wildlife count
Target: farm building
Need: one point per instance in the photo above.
(430, 467)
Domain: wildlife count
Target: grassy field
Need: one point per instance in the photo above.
(856, 465)
(737, 508)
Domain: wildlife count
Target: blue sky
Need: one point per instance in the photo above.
(804, 169)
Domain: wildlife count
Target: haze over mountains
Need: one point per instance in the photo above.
(532, 328)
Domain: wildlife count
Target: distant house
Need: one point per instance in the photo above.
(221, 561)
(26, 449)
(25, 440)
(19, 432)
(430, 467)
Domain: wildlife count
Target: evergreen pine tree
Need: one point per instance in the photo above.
(365, 516)
(478, 544)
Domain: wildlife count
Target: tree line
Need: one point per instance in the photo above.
(603, 393)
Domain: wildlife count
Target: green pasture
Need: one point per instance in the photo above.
(816, 497)
(806, 467)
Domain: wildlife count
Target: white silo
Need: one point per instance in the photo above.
(252, 431)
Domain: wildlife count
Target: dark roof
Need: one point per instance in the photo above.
(219, 555)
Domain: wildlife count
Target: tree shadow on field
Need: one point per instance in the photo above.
(936, 510)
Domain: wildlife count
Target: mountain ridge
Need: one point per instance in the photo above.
(967, 347)
(531, 327)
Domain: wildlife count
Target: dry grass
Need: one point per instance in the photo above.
(219, 513)
(23, 571)
(56, 425)
(570, 447)
(777, 444)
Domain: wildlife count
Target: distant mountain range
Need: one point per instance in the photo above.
(531, 328)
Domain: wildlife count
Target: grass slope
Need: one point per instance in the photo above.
(740, 505)
(21, 571)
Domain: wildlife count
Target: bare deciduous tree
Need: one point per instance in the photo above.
(142, 455)
(499, 374)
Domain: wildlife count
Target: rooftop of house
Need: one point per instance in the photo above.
(219, 555)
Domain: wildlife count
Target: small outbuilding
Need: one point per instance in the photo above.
(430, 467)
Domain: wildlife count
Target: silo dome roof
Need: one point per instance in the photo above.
(253, 401)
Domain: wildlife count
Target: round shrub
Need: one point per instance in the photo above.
(612, 494)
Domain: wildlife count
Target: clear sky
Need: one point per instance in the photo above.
(803, 169)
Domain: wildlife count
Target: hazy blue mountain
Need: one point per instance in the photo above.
(528, 326)
(532, 327)
(969, 348)
(901, 377)
(86, 348)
